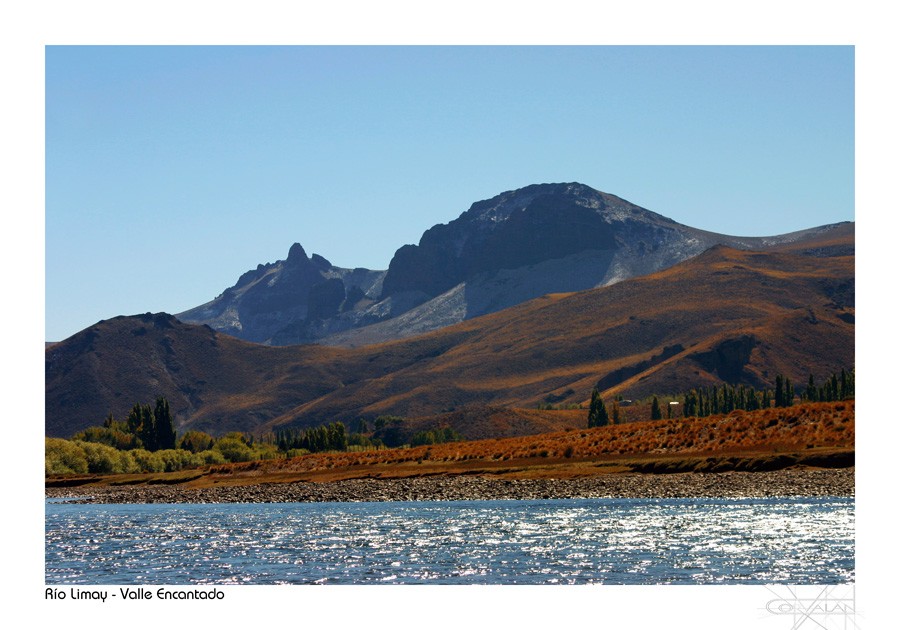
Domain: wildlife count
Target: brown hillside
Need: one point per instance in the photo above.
(726, 315)
(478, 422)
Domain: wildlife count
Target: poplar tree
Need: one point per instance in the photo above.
(597, 415)
(164, 425)
(690, 404)
(752, 400)
(811, 390)
(655, 411)
(133, 422)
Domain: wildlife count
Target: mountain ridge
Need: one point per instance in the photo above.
(502, 251)
(728, 315)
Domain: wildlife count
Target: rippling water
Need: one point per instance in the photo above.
(573, 541)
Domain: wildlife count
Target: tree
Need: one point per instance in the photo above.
(391, 430)
(727, 398)
(142, 424)
(655, 411)
(811, 390)
(337, 437)
(196, 441)
(233, 448)
(164, 427)
(133, 421)
(437, 436)
(690, 404)
(597, 415)
(110, 436)
(846, 385)
(752, 399)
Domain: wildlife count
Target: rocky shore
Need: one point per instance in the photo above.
(788, 482)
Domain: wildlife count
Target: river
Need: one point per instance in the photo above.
(555, 541)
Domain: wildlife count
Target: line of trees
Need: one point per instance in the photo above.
(332, 437)
(436, 436)
(149, 428)
(706, 401)
(723, 399)
(599, 416)
(146, 441)
(388, 432)
(836, 387)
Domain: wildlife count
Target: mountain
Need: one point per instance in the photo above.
(740, 316)
(290, 301)
(517, 246)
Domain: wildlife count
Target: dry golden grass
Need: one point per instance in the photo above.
(806, 427)
(808, 434)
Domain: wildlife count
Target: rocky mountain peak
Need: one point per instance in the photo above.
(560, 196)
(297, 255)
(516, 229)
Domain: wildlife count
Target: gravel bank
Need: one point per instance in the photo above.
(789, 482)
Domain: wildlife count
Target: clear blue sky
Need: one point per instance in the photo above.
(172, 170)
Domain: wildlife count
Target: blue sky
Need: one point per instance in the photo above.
(172, 170)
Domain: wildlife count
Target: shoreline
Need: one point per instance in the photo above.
(793, 482)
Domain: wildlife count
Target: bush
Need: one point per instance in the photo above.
(234, 449)
(206, 458)
(265, 451)
(104, 459)
(196, 441)
(109, 436)
(237, 435)
(62, 457)
(147, 461)
(174, 459)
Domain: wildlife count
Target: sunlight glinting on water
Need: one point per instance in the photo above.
(495, 542)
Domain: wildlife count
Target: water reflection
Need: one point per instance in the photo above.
(614, 541)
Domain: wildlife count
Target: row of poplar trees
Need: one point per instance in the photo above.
(332, 437)
(706, 401)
